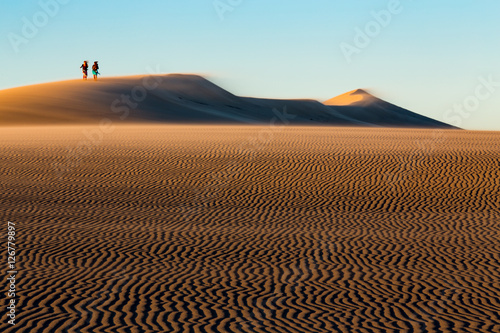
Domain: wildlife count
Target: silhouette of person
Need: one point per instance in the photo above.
(95, 70)
(85, 68)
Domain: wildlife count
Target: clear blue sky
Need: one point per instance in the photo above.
(428, 58)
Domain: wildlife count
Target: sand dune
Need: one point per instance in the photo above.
(368, 109)
(175, 228)
(356, 97)
(180, 98)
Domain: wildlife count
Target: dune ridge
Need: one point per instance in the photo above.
(178, 98)
(177, 228)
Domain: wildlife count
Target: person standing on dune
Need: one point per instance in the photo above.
(85, 68)
(95, 70)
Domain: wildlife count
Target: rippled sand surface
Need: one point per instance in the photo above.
(168, 228)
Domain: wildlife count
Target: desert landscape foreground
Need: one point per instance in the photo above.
(232, 228)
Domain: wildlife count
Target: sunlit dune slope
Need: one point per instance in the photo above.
(361, 106)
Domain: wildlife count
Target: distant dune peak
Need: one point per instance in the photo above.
(358, 96)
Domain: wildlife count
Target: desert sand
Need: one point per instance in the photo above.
(230, 228)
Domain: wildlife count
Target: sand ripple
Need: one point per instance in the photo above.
(239, 229)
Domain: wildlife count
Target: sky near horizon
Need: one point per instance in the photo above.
(437, 58)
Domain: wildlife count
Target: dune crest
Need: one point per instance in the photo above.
(357, 97)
